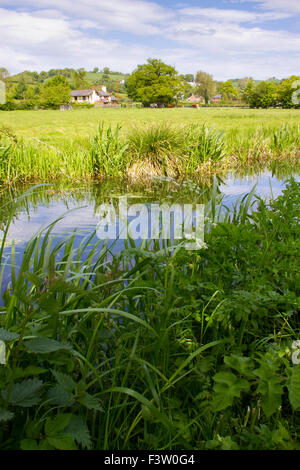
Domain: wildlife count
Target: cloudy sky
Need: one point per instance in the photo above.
(228, 38)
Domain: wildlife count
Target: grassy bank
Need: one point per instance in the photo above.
(156, 149)
(156, 349)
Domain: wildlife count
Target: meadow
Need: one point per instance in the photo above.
(57, 126)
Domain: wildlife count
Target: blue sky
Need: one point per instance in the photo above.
(227, 38)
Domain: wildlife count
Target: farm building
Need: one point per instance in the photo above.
(195, 99)
(216, 99)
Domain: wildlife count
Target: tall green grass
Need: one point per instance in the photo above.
(158, 149)
(108, 152)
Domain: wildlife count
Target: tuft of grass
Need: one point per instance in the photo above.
(157, 148)
(108, 151)
(204, 144)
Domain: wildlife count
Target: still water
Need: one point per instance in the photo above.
(78, 206)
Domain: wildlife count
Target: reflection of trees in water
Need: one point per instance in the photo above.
(159, 189)
(13, 200)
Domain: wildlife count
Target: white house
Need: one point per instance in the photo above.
(84, 96)
(96, 95)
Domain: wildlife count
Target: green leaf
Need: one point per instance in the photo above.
(28, 372)
(6, 335)
(294, 388)
(25, 393)
(57, 424)
(42, 345)
(29, 444)
(243, 365)
(78, 430)
(269, 388)
(62, 442)
(227, 387)
(6, 415)
(90, 402)
(65, 381)
(45, 445)
(59, 396)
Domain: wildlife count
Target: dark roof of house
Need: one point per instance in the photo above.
(81, 92)
(102, 93)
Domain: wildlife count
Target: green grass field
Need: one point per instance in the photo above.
(58, 126)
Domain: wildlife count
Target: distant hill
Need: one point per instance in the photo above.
(35, 78)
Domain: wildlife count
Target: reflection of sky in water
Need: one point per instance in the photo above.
(266, 186)
(84, 219)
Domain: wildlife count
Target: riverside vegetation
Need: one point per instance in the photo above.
(156, 348)
(163, 149)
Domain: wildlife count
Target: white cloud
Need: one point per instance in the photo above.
(134, 16)
(226, 43)
(288, 6)
(232, 16)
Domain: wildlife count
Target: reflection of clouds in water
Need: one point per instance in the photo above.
(85, 221)
(266, 186)
(82, 219)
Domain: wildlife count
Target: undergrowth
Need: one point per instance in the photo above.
(156, 348)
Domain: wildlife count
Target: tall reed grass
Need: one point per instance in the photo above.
(155, 150)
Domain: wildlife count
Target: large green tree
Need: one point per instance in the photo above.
(263, 95)
(289, 92)
(205, 85)
(154, 82)
(79, 80)
(229, 91)
(55, 92)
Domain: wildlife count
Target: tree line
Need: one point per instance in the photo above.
(152, 83)
(156, 82)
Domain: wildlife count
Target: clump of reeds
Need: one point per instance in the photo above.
(108, 151)
(204, 145)
(155, 150)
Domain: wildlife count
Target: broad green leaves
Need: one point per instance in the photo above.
(227, 387)
(6, 415)
(61, 433)
(25, 394)
(6, 335)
